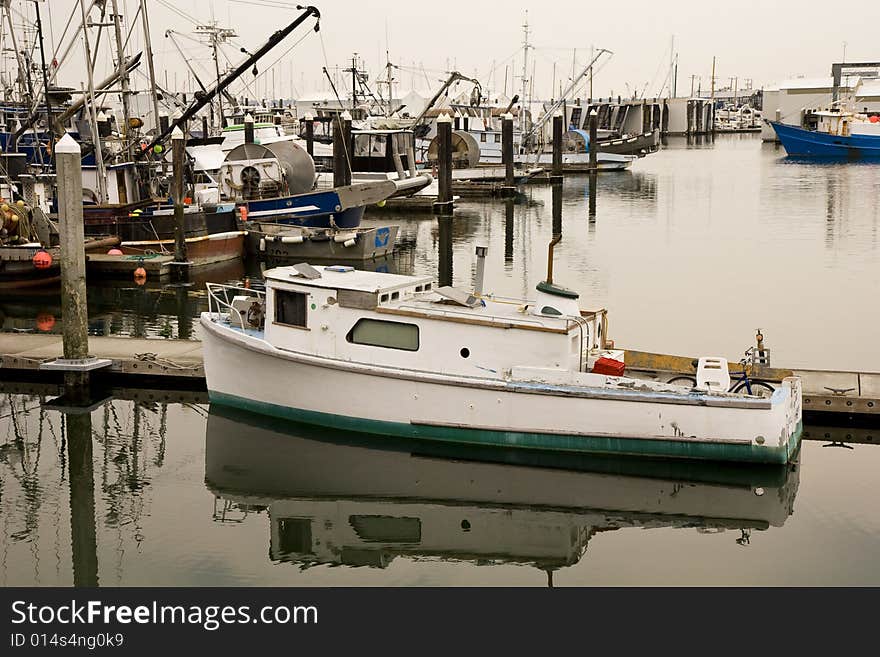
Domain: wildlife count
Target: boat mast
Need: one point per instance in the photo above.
(123, 77)
(148, 44)
(525, 79)
(45, 74)
(93, 110)
(22, 67)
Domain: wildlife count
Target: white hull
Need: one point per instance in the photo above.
(245, 371)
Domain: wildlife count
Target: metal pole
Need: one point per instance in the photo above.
(123, 78)
(178, 155)
(93, 110)
(45, 74)
(151, 67)
(74, 310)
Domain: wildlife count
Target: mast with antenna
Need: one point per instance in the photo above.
(525, 75)
(151, 67)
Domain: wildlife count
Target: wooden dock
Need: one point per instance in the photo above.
(156, 265)
(25, 352)
(838, 395)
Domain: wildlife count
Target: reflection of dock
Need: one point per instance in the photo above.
(363, 503)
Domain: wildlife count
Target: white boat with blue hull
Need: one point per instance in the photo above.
(406, 359)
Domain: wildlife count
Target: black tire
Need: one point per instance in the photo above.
(682, 380)
(759, 388)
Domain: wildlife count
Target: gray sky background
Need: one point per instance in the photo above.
(765, 41)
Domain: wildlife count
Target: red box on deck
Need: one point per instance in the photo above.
(609, 366)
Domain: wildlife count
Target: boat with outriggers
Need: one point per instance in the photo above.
(396, 355)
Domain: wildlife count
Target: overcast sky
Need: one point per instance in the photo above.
(763, 41)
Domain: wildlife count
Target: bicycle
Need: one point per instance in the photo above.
(742, 383)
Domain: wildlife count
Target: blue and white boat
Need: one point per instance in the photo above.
(838, 134)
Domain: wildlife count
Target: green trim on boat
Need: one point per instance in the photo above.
(679, 449)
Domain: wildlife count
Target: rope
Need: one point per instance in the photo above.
(150, 357)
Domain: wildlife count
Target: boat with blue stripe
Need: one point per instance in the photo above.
(839, 135)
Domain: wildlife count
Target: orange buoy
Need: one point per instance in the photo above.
(874, 119)
(42, 259)
(243, 212)
(45, 322)
(140, 275)
(247, 284)
(114, 251)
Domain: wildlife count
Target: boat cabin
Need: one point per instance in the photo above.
(404, 321)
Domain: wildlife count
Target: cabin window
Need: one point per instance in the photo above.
(550, 310)
(290, 308)
(295, 536)
(483, 137)
(380, 333)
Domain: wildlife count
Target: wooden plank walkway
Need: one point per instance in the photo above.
(836, 393)
(136, 356)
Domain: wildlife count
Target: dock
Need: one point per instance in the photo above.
(827, 394)
(156, 265)
(24, 353)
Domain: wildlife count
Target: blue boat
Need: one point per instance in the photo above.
(320, 209)
(340, 207)
(845, 142)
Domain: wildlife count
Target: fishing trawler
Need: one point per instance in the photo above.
(453, 365)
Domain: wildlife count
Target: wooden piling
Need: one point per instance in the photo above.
(74, 310)
(342, 150)
(204, 127)
(594, 141)
(178, 164)
(509, 188)
(310, 134)
(444, 165)
(249, 137)
(556, 176)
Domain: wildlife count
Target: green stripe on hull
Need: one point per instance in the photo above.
(544, 441)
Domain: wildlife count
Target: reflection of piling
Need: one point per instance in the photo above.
(556, 176)
(557, 210)
(594, 180)
(509, 188)
(84, 544)
(444, 165)
(178, 163)
(444, 266)
(184, 317)
(310, 134)
(74, 310)
(508, 231)
(342, 150)
(594, 140)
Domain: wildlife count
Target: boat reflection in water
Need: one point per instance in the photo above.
(343, 499)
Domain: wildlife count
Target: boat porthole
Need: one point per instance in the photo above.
(759, 492)
(314, 306)
(465, 526)
(465, 352)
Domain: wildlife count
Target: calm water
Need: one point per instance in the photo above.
(691, 251)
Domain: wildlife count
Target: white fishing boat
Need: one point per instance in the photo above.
(394, 355)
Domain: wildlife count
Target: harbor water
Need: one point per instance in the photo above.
(691, 251)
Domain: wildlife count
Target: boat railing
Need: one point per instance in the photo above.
(221, 300)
